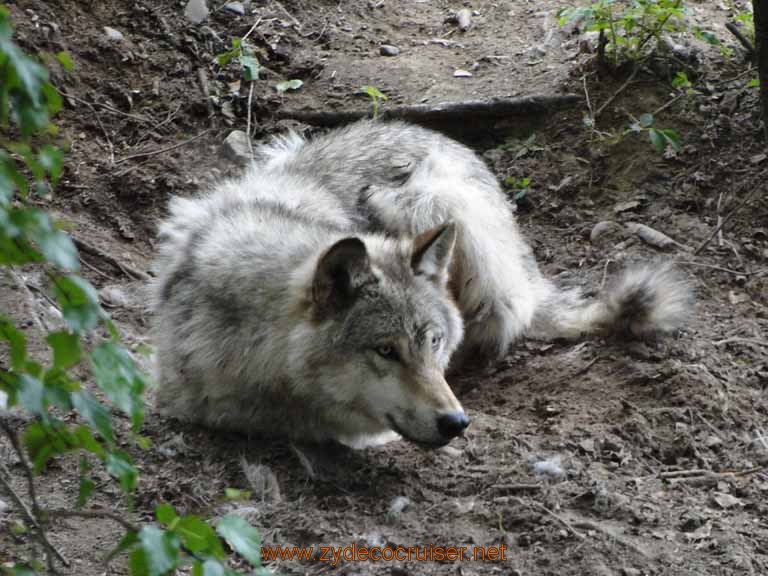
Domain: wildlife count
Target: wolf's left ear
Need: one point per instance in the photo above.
(433, 252)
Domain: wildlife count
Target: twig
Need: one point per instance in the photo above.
(663, 107)
(95, 514)
(252, 28)
(98, 119)
(98, 252)
(733, 212)
(163, 150)
(721, 269)
(33, 515)
(40, 323)
(464, 112)
(626, 542)
(248, 121)
(734, 29)
(288, 14)
(738, 76)
(619, 91)
(738, 340)
(106, 107)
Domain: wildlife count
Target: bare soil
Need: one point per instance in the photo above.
(663, 446)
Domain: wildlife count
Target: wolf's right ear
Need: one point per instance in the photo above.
(342, 270)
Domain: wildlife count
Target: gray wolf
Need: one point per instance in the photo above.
(324, 294)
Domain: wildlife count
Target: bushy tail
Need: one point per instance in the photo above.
(644, 301)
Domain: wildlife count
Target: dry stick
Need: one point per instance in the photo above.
(95, 514)
(125, 268)
(736, 339)
(248, 121)
(163, 150)
(733, 29)
(98, 119)
(733, 212)
(619, 91)
(106, 107)
(721, 269)
(462, 112)
(663, 107)
(288, 14)
(33, 515)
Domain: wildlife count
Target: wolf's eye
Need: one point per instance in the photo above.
(387, 351)
(437, 339)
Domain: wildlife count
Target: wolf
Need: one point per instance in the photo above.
(324, 294)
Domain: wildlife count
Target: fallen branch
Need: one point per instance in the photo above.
(94, 514)
(99, 253)
(734, 29)
(733, 212)
(32, 516)
(460, 112)
(162, 150)
(619, 91)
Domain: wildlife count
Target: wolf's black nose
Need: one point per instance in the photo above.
(453, 424)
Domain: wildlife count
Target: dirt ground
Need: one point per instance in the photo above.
(657, 451)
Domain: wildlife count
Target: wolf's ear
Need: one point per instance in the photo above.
(343, 268)
(433, 252)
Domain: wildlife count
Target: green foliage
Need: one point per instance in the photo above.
(245, 54)
(30, 167)
(631, 28)
(661, 138)
(519, 186)
(376, 97)
(288, 85)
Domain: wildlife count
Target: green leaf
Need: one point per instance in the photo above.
(79, 302)
(237, 494)
(65, 59)
(161, 550)
(288, 85)
(87, 441)
(66, 349)
(58, 249)
(199, 537)
(32, 395)
(657, 139)
(250, 67)
(52, 160)
(117, 376)
(120, 466)
(672, 138)
(645, 120)
(373, 92)
(126, 542)
(165, 514)
(242, 537)
(94, 413)
(17, 341)
(21, 570)
(86, 484)
(754, 83)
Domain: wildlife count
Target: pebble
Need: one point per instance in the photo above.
(464, 19)
(235, 8)
(196, 11)
(236, 148)
(462, 74)
(113, 35)
(389, 50)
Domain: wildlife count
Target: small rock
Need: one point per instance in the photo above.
(758, 158)
(550, 467)
(3, 506)
(605, 228)
(651, 236)
(462, 74)
(626, 206)
(196, 11)
(236, 147)
(725, 501)
(464, 19)
(389, 50)
(399, 504)
(235, 8)
(113, 35)
(114, 295)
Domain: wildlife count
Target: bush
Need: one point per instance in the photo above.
(30, 167)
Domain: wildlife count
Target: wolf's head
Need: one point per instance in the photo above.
(390, 327)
